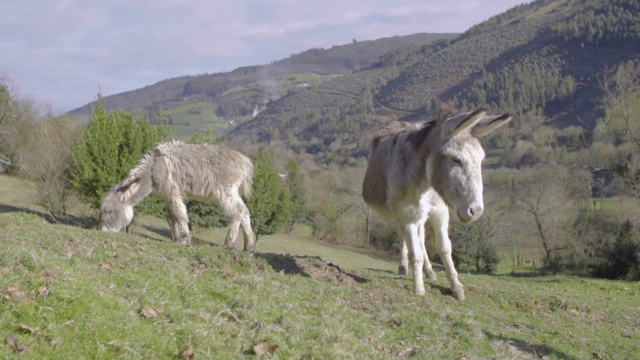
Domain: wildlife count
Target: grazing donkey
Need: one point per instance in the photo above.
(175, 170)
(420, 172)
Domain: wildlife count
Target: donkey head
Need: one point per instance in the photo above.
(116, 211)
(454, 164)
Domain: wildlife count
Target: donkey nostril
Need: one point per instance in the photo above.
(475, 211)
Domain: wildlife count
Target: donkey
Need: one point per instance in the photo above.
(420, 172)
(175, 170)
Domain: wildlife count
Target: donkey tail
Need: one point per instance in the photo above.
(247, 182)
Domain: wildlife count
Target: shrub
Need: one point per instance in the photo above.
(472, 246)
(112, 144)
(619, 259)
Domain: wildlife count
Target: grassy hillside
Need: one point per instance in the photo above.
(75, 293)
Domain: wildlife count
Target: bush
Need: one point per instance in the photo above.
(206, 213)
(112, 144)
(619, 260)
(472, 246)
(603, 247)
(383, 236)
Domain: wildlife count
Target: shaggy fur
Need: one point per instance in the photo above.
(420, 172)
(175, 171)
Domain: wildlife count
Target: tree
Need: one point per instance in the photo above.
(205, 213)
(295, 184)
(544, 195)
(472, 245)
(270, 205)
(16, 119)
(622, 99)
(112, 144)
(621, 258)
(45, 159)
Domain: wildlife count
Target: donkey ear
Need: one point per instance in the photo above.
(489, 124)
(458, 124)
(127, 188)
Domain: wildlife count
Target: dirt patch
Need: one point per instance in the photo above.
(312, 266)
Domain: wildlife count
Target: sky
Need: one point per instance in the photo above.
(61, 53)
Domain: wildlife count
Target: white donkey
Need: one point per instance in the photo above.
(420, 172)
(174, 171)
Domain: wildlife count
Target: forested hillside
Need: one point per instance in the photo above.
(545, 59)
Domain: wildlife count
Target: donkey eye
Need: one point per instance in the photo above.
(456, 161)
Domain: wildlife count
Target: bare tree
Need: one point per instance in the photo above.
(45, 158)
(547, 196)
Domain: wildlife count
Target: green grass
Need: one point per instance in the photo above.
(186, 124)
(80, 294)
(72, 293)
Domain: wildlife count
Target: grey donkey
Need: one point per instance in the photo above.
(420, 172)
(176, 171)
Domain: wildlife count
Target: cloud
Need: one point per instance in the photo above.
(62, 51)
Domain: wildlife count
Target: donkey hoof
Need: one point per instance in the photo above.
(431, 275)
(249, 249)
(402, 270)
(458, 293)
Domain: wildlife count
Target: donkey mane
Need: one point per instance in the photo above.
(176, 171)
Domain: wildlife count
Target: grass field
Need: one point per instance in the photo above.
(74, 293)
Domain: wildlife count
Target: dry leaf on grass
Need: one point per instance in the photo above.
(27, 329)
(189, 352)
(12, 341)
(44, 274)
(44, 291)
(197, 271)
(106, 267)
(148, 312)
(14, 292)
(263, 347)
(412, 351)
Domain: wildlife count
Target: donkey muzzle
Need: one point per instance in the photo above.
(470, 213)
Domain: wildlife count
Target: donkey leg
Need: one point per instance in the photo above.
(179, 221)
(427, 263)
(440, 223)
(236, 209)
(244, 215)
(416, 255)
(247, 231)
(403, 268)
(232, 234)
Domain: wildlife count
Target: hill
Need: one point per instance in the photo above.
(543, 59)
(194, 102)
(75, 293)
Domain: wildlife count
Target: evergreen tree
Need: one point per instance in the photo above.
(270, 205)
(205, 213)
(112, 144)
(295, 184)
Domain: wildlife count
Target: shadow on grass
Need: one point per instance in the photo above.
(538, 350)
(164, 232)
(308, 266)
(79, 221)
